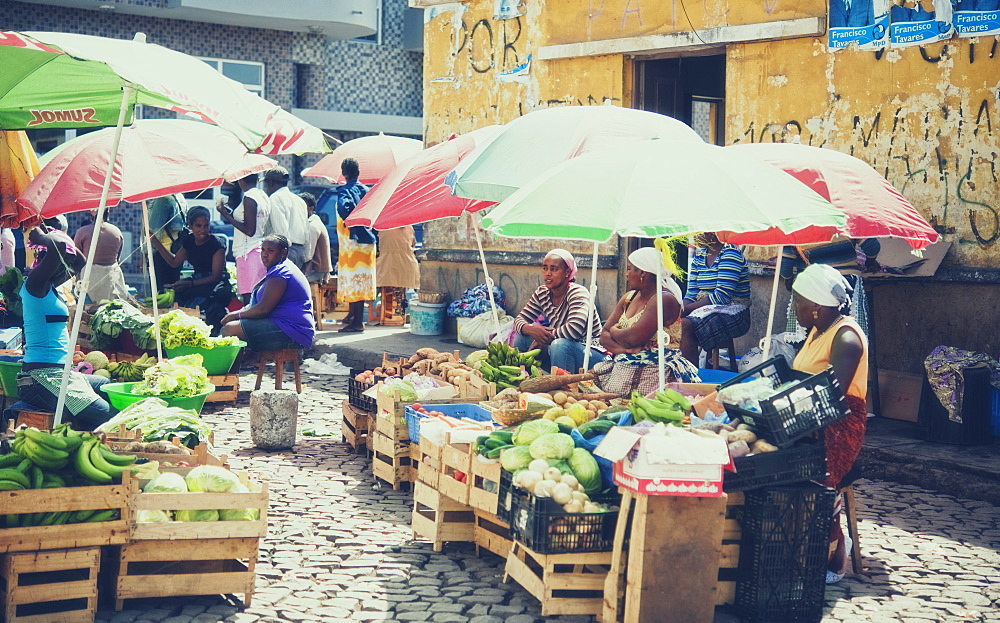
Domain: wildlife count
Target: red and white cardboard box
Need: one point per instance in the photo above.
(641, 463)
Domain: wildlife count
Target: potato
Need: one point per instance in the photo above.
(559, 398)
(570, 400)
(584, 403)
(742, 435)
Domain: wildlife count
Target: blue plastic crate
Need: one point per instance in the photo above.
(473, 412)
(995, 395)
(716, 377)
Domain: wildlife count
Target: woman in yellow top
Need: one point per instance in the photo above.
(629, 335)
(819, 295)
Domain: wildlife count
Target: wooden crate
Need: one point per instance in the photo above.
(414, 460)
(725, 588)
(439, 519)
(199, 455)
(563, 583)
(484, 485)
(328, 309)
(391, 460)
(227, 388)
(85, 534)
(391, 420)
(354, 427)
(210, 566)
(370, 438)
(491, 534)
(456, 462)
(391, 313)
(53, 585)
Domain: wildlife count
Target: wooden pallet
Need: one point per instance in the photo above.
(354, 427)
(484, 485)
(563, 583)
(439, 519)
(53, 585)
(491, 534)
(227, 388)
(391, 461)
(87, 534)
(618, 589)
(157, 568)
(456, 462)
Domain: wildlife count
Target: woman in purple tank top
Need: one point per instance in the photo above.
(280, 314)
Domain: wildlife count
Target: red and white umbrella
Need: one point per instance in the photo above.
(376, 156)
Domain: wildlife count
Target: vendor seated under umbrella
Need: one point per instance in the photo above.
(280, 314)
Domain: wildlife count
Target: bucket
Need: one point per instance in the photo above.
(427, 318)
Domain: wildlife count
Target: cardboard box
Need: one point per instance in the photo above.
(899, 394)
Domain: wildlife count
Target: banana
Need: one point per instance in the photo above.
(116, 459)
(10, 460)
(79, 516)
(73, 443)
(87, 469)
(97, 460)
(12, 521)
(37, 477)
(106, 515)
(45, 439)
(24, 466)
(45, 456)
(55, 479)
(10, 485)
(13, 475)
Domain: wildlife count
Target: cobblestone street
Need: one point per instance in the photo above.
(340, 548)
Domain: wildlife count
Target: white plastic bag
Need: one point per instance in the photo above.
(784, 344)
(477, 332)
(327, 364)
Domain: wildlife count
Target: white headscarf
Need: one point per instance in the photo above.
(647, 259)
(823, 285)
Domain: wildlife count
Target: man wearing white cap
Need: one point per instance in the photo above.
(289, 215)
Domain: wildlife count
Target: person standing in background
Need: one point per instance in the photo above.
(288, 215)
(356, 258)
(7, 246)
(318, 265)
(107, 281)
(249, 221)
(396, 267)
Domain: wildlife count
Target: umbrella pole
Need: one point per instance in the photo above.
(489, 282)
(82, 295)
(152, 279)
(660, 333)
(765, 345)
(593, 308)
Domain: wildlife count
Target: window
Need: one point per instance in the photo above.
(249, 74)
(377, 37)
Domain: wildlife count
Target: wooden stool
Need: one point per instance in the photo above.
(713, 356)
(317, 302)
(851, 511)
(280, 358)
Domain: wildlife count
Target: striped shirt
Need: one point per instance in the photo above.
(569, 319)
(726, 282)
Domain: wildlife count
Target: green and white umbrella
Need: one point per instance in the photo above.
(658, 188)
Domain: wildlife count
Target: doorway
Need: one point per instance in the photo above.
(691, 89)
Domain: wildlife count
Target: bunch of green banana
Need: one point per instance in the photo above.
(127, 371)
(667, 405)
(164, 299)
(506, 366)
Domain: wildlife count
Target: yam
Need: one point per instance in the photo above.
(742, 435)
(551, 382)
(414, 359)
(427, 353)
(762, 446)
(443, 357)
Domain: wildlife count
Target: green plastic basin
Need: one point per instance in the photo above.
(120, 396)
(218, 360)
(8, 377)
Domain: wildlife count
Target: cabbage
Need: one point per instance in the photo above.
(152, 516)
(406, 389)
(239, 514)
(211, 479)
(529, 431)
(552, 446)
(513, 459)
(204, 515)
(180, 377)
(585, 469)
(167, 482)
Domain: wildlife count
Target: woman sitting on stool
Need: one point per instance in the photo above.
(280, 314)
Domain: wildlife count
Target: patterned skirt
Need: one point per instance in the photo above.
(355, 268)
(716, 325)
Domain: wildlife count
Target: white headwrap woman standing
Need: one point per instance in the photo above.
(630, 333)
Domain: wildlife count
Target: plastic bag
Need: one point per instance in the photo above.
(784, 344)
(327, 364)
(477, 332)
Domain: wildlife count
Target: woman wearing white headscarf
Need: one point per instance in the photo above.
(555, 317)
(819, 294)
(630, 334)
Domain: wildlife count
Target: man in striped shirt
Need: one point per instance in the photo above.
(555, 317)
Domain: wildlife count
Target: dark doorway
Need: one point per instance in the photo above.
(690, 88)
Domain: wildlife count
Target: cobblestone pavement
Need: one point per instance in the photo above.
(340, 549)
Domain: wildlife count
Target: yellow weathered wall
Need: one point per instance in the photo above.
(925, 118)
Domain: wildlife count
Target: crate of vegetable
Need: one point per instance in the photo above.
(158, 422)
(783, 405)
(545, 526)
(453, 414)
(804, 461)
(358, 383)
(58, 490)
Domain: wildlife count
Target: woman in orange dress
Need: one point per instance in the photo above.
(819, 296)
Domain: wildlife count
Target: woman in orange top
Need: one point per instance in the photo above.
(834, 340)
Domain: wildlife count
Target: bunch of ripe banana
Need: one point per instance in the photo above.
(163, 300)
(127, 371)
(61, 458)
(506, 366)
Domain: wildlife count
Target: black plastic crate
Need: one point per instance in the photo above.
(804, 461)
(782, 420)
(355, 393)
(544, 527)
(783, 553)
(505, 502)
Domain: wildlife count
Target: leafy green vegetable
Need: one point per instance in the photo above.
(10, 289)
(180, 329)
(152, 516)
(113, 317)
(160, 422)
(167, 482)
(239, 514)
(585, 469)
(552, 446)
(180, 377)
(212, 479)
(204, 515)
(530, 431)
(513, 459)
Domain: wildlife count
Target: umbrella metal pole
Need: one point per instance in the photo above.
(765, 344)
(152, 278)
(660, 333)
(489, 282)
(74, 334)
(593, 309)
